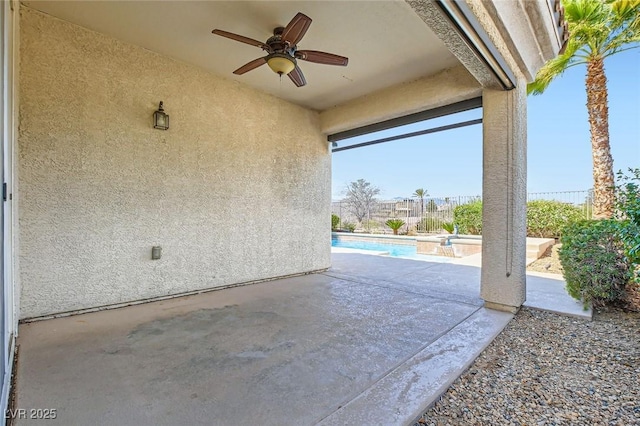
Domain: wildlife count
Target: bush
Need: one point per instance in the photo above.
(450, 227)
(430, 224)
(546, 219)
(596, 269)
(628, 211)
(369, 224)
(335, 221)
(395, 224)
(349, 226)
(468, 217)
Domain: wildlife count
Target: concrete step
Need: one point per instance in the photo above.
(537, 246)
(405, 393)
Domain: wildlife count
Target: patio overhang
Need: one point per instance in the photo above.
(498, 45)
(391, 44)
(386, 42)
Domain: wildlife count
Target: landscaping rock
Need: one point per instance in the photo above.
(546, 369)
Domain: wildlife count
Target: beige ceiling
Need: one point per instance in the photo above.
(385, 41)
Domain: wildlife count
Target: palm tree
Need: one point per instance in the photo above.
(421, 193)
(395, 224)
(597, 29)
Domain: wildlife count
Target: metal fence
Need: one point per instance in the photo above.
(431, 213)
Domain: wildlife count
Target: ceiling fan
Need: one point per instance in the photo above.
(282, 50)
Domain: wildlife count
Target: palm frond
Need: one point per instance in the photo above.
(625, 11)
(625, 24)
(554, 68)
(622, 49)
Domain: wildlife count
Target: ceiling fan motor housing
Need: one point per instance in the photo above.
(276, 44)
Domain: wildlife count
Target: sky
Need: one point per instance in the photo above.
(449, 163)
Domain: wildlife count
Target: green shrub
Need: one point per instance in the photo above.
(335, 221)
(395, 224)
(430, 224)
(370, 224)
(596, 269)
(449, 227)
(468, 217)
(349, 226)
(628, 211)
(547, 218)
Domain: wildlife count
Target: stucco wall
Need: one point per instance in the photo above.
(237, 190)
(446, 87)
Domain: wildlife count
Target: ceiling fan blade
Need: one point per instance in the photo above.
(250, 66)
(322, 57)
(297, 77)
(296, 29)
(241, 39)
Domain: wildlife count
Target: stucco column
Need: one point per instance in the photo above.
(504, 196)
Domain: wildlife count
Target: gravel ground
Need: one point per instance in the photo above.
(546, 369)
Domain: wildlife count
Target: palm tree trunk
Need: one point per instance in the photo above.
(597, 106)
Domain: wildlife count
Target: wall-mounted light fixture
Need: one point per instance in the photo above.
(160, 118)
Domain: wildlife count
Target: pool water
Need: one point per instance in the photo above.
(395, 250)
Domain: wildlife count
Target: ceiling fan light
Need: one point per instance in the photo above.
(281, 64)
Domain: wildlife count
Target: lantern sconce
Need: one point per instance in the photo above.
(160, 118)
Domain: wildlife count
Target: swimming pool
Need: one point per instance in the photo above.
(392, 249)
(395, 250)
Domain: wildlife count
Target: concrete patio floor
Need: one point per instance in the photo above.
(373, 340)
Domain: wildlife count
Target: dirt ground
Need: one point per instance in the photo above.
(549, 262)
